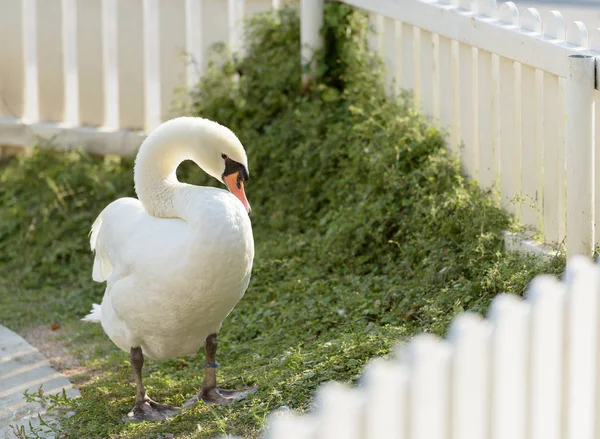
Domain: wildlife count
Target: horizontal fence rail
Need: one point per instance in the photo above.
(530, 370)
(516, 94)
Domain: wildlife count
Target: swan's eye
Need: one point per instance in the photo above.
(224, 156)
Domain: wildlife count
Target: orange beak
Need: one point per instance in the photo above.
(236, 186)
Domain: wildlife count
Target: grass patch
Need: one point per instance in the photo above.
(366, 233)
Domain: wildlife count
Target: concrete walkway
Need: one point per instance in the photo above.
(23, 367)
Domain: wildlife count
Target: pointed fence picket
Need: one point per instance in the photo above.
(530, 370)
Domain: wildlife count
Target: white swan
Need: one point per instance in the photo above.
(177, 259)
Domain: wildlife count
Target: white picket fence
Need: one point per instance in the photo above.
(102, 73)
(531, 370)
(517, 91)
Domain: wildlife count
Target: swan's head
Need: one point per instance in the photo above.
(220, 153)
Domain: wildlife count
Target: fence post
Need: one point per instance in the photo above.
(311, 21)
(579, 154)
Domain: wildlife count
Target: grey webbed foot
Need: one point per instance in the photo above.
(216, 395)
(152, 411)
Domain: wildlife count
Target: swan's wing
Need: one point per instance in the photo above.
(109, 232)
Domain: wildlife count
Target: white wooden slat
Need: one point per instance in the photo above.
(311, 21)
(71, 73)
(470, 337)
(509, 120)
(436, 92)
(417, 70)
(194, 43)
(554, 141)
(579, 154)
(428, 360)
(487, 110)
(110, 64)
(532, 106)
(376, 22)
(583, 283)
(398, 59)
(455, 133)
(172, 42)
(468, 111)
(131, 67)
(152, 79)
(50, 60)
(594, 41)
(235, 16)
(446, 78)
(510, 346)
(428, 70)
(276, 4)
(290, 426)
(339, 411)
(385, 386)
(90, 62)
(408, 56)
(486, 34)
(390, 50)
(12, 58)
(547, 340)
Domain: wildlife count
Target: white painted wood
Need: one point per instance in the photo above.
(547, 340)
(172, 43)
(235, 11)
(509, 97)
(583, 281)
(339, 412)
(445, 88)
(110, 64)
(152, 79)
(50, 60)
(579, 154)
(375, 37)
(385, 386)
(455, 135)
(428, 63)
(30, 112)
(532, 105)
(468, 108)
(471, 340)
(485, 34)
(510, 346)
(417, 70)
(487, 110)
(131, 68)
(290, 426)
(311, 13)
(12, 62)
(428, 360)
(71, 73)
(194, 42)
(554, 141)
(90, 65)
(391, 60)
(408, 57)
(94, 140)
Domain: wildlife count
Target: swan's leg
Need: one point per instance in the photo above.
(209, 392)
(145, 409)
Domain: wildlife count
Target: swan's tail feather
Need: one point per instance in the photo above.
(95, 314)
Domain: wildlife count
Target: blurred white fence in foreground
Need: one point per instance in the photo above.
(530, 370)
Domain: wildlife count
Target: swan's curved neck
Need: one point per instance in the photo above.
(155, 178)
